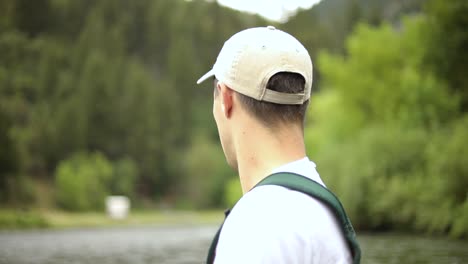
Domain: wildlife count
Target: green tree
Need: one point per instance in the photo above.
(393, 130)
(206, 174)
(82, 182)
(386, 84)
(447, 46)
(124, 178)
(8, 158)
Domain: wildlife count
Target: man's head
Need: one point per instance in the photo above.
(269, 73)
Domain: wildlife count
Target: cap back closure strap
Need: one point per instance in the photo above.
(283, 98)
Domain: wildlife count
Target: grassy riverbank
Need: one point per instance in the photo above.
(16, 219)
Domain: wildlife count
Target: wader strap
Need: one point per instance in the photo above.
(212, 252)
(310, 187)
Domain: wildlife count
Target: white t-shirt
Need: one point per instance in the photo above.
(272, 224)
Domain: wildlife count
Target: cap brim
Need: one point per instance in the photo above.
(206, 76)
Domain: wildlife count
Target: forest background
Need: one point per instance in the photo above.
(98, 97)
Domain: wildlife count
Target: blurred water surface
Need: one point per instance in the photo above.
(138, 245)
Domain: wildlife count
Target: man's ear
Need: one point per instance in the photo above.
(226, 99)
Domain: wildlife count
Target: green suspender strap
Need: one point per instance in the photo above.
(212, 251)
(310, 187)
(313, 189)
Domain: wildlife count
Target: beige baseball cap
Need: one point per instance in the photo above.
(251, 57)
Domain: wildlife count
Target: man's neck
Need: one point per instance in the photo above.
(259, 151)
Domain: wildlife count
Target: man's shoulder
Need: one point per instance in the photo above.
(279, 206)
(273, 218)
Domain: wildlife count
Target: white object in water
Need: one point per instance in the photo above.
(117, 206)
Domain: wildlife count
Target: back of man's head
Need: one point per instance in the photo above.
(272, 114)
(271, 73)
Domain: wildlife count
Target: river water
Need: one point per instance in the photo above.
(138, 245)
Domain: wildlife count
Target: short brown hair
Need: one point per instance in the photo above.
(271, 114)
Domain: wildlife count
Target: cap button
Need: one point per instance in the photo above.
(271, 27)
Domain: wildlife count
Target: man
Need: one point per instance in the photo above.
(263, 80)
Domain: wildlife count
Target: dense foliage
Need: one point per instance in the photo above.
(82, 181)
(389, 133)
(99, 97)
(114, 77)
